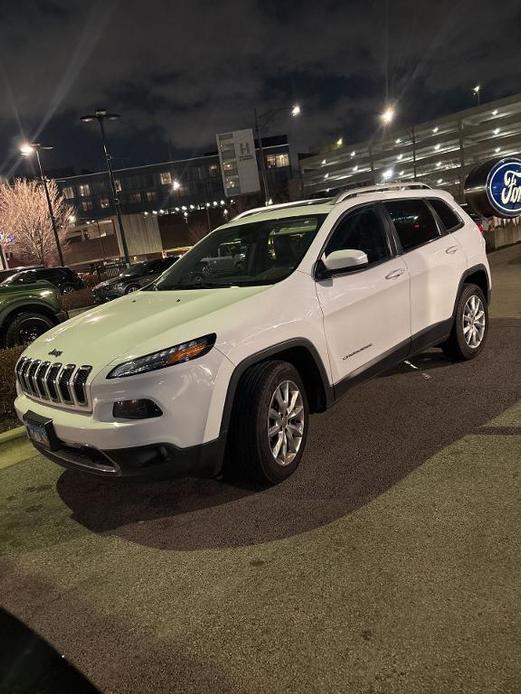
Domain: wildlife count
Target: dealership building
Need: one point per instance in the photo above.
(440, 152)
(168, 186)
(164, 206)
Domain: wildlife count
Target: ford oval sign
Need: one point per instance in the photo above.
(504, 187)
(493, 189)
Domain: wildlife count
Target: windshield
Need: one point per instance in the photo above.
(134, 270)
(248, 254)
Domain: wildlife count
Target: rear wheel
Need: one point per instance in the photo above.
(269, 422)
(470, 328)
(26, 327)
(132, 288)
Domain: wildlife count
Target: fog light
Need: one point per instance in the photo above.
(135, 409)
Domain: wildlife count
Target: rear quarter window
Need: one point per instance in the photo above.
(447, 215)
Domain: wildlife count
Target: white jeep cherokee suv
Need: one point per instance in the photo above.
(223, 367)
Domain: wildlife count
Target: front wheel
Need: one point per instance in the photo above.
(470, 327)
(270, 422)
(25, 328)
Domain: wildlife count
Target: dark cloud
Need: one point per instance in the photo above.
(181, 71)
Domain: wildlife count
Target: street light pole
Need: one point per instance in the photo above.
(413, 138)
(295, 111)
(100, 116)
(27, 150)
(264, 172)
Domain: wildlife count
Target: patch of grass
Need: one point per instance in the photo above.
(8, 359)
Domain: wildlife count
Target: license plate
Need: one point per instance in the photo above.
(40, 430)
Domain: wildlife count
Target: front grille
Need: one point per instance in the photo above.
(64, 384)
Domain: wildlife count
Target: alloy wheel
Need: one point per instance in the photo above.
(474, 321)
(286, 419)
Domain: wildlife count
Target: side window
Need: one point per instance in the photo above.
(361, 230)
(449, 218)
(413, 222)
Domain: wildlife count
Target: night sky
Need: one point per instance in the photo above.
(180, 71)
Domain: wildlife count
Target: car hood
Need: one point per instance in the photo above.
(140, 323)
(36, 289)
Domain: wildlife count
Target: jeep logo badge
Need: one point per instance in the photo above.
(55, 353)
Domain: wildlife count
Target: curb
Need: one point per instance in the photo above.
(12, 434)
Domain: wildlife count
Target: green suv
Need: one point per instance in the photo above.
(27, 311)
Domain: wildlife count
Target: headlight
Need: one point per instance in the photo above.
(166, 357)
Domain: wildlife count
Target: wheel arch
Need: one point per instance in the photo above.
(303, 355)
(477, 275)
(15, 309)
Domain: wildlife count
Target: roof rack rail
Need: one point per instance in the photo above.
(282, 205)
(381, 187)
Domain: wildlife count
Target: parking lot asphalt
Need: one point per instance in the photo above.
(388, 563)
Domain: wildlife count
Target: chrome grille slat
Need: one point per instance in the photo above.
(64, 390)
(61, 384)
(25, 369)
(34, 372)
(40, 379)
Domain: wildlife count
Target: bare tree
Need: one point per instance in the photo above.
(25, 219)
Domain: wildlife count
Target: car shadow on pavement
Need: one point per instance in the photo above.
(370, 440)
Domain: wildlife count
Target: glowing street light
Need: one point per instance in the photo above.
(176, 185)
(387, 174)
(477, 93)
(388, 115)
(340, 142)
(26, 150)
(295, 111)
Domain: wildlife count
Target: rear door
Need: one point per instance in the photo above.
(366, 312)
(435, 261)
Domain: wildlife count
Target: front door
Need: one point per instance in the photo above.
(366, 312)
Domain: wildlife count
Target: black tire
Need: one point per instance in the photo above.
(132, 288)
(249, 445)
(66, 289)
(456, 347)
(26, 327)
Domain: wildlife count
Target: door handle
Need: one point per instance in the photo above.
(394, 274)
(451, 249)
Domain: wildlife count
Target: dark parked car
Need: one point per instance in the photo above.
(63, 278)
(9, 272)
(133, 278)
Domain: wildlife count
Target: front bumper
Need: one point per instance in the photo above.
(158, 461)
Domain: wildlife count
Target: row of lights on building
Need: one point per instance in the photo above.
(185, 209)
(387, 116)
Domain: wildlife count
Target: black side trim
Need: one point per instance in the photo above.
(373, 368)
(429, 337)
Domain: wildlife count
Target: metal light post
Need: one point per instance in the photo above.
(100, 115)
(26, 150)
(266, 117)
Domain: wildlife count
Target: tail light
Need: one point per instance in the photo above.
(480, 227)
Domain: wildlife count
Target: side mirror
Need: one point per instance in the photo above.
(345, 260)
